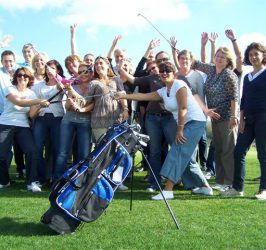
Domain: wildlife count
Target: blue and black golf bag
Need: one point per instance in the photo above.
(86, 189)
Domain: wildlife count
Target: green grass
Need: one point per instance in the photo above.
(205, 222)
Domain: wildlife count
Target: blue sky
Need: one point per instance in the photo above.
(45, 23)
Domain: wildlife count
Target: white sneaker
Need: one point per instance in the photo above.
(208, 175)
(261, 195)
(203, 190)
(33, 187)
(220, 187)
(122, 187)
(231, 192)
(168, 195)
(5, 186)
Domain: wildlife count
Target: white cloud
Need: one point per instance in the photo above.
(122, 13)
(13, 5)
(247, 39)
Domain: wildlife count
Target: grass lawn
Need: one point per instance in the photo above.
(205, 222)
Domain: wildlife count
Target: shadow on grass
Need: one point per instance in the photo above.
(11, 227)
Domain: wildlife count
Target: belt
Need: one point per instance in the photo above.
(160, 114)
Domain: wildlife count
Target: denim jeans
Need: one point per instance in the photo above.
(83, 143)
(43, 126)
(24, 138)
(255, 128)
(159, 128)
(177, 163)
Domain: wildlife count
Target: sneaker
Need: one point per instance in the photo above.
(208, 175)
(5, 186)
(231, 192)
(38, 184)
(220, 187)
(261, 195)
(203, 190)
(168, 195)
(151, 189)
(33, 187)
(122, 187)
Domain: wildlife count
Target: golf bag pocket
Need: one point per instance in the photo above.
(100, 198)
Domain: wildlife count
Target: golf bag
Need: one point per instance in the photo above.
(86, 189)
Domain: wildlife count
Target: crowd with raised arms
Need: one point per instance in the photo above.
(48, 121)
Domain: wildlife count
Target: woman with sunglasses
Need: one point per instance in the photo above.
(76, 122)
(14, 124)
(46, 125)
(178, 99)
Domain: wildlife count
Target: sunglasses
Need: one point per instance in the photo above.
(22, 75)
(162, 60)
(161, 71)
(86, 71)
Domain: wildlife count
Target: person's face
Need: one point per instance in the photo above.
(73, 66)
(84, 74)
(51, 71)
(40, 62)
(120, 55)
(162, 57)
(28, 54)
(220, 60)
(256, 57)
(8, 63)
(153, 69)
(89, 60)
(101, 67)
(185, 61)
(22, 78)
(166, 75)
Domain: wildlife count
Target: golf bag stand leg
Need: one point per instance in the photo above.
(161, 191)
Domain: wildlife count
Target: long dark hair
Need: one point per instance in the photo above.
(58, 66)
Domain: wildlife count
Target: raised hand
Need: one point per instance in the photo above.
(230, 34)
(173, 41)
(204, 38)
(154, 43)
(73, 28)
(6, 41)
(213, 37)
(116, 40)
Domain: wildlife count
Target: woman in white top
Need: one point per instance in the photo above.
(190, 119)
(14, 124)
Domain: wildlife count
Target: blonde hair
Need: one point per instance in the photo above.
(228, 55)
(34, 59)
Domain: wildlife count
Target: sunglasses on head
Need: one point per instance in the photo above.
(22, 75)
(165, 59)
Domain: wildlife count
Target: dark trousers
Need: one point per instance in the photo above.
(255, 128)
(24, 138)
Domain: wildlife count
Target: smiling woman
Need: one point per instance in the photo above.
(14, 123)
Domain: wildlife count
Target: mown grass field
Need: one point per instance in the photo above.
(205, 222)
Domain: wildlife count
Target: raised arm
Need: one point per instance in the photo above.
(239, 59)
(114, 44)
(204, 40)
(6, 41)
(173, 42)
(212, 40)
(73, 39)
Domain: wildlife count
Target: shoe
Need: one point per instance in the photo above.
(203, 190)
(33, 187)
(140, 169)
(231, 192)
(168, 195)
(209, 175)
(261, 195)
(5, 186)
(38, 184)
(151, 189)
(122, 187)
(220, 187)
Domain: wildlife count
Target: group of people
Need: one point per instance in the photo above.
(49, 119)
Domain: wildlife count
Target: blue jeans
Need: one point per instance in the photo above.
(159, 128)
(25, 140)
(255, 128)
(43, 126)
(83, 143)
(177, 163)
